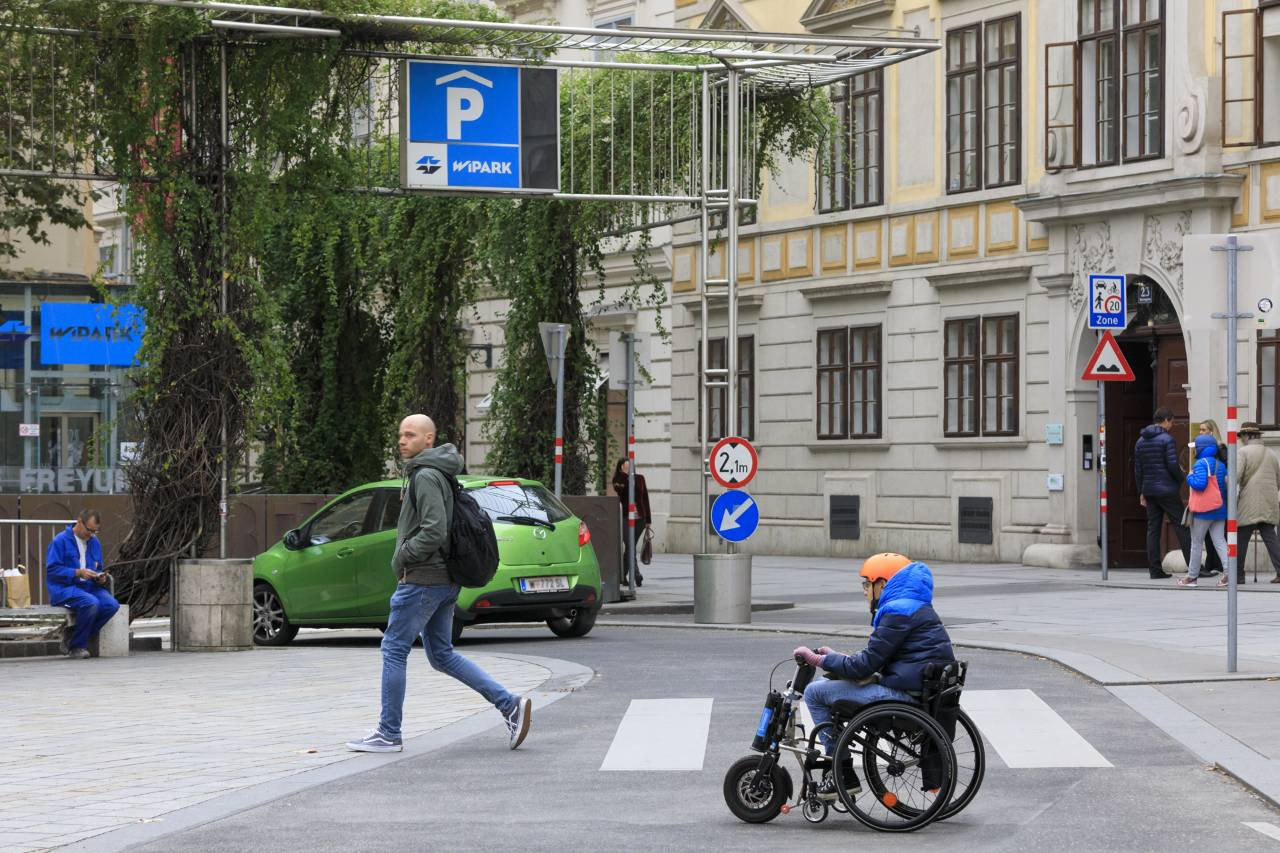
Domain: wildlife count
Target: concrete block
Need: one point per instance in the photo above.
(237, 626)
(1051, 556)
(197, 624)
(113, 640)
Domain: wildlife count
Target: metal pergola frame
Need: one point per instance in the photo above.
(733, 66)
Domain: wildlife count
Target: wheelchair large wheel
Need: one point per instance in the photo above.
(971, 765)
(755, 803)
(908, 767)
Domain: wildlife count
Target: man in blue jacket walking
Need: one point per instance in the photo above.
(74, 576)
(1159, 478)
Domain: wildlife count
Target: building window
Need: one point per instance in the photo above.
(849, 390)
(984, 102)
(1143, 83)
(1000, 375)
(718, 397)
(849, 172)
(980, 363)
(1269, 380)
(833, 383)
(1251, 58)
(1119, 51)
(963, 68)
(1002, 102)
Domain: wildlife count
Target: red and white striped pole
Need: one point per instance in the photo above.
(1102, 474)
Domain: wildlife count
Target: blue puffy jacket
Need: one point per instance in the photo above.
(1155, 463)
(63, 558)
(1208, 463)
(908, 634)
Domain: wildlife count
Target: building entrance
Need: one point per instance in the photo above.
(1153, 345)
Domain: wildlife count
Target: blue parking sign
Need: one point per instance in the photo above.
(1106, 299)
(474, 126)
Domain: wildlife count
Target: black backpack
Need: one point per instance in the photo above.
(472, 555)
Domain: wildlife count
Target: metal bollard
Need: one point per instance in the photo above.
(721, 588)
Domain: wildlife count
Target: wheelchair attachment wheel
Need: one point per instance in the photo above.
(814, 810)
(971, 765)
(908, 766)
(752, 802)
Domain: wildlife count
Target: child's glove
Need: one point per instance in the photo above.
(804, 653)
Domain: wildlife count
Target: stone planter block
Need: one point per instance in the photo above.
(215, 605)
(113, 640)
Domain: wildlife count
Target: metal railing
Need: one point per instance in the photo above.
(25, 542)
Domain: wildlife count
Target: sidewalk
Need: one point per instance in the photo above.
(1159, 648)
(97, 746)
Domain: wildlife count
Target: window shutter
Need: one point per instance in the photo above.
(1239, 78)
(1061, 105)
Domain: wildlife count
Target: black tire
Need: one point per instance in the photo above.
(892, 743)
(759, 806)
(971, 765)
(271, 626)
(578, 624)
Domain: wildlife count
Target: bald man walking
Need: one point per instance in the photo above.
(422, 604)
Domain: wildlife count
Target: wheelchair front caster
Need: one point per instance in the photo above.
(814, 811)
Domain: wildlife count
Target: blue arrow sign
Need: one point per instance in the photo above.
(735, 516)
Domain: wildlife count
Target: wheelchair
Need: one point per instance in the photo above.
(897, 766)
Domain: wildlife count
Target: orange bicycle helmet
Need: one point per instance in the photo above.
(881, 567)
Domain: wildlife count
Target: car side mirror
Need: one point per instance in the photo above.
(293, 540)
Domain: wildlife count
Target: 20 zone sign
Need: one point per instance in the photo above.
(733, 462)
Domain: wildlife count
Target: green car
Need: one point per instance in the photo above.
(334, 570)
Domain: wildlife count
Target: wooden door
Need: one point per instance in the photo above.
(1129, 408)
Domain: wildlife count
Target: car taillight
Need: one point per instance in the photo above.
(584, 535)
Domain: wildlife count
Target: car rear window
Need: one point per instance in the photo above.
(513, 499)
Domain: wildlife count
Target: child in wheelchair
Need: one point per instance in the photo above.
(907, 636)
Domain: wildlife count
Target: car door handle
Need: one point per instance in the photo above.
(346, 552)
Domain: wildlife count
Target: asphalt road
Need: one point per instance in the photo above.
(552, 795)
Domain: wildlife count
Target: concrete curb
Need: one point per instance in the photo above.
(1092, 668)
(565, 677)
(678, 608)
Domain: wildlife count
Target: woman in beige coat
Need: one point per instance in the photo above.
(1258, 507)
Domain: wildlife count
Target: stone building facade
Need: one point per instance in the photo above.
(912, 303)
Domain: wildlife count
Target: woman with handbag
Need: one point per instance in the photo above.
(644, 517)
(1208, 508)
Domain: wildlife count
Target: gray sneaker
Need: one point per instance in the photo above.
(78, 654)
(376, 741)
(518, 721)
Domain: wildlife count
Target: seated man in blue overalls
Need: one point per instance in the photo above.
(74, 576)
(907, 635)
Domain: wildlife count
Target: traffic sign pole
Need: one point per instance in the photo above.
(1102, 473)
(630, 568)
(560, 348)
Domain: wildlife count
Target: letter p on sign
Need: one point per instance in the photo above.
(464, 104)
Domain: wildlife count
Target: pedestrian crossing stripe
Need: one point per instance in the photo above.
(661, 734)
(1268, 829)
(1026, 732)
(671, 734)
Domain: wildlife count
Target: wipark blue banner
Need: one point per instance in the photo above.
(84, 333)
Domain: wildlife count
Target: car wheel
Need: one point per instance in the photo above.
(578, 624)
(270, 624)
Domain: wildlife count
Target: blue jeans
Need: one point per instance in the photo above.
(427, 611)
(93, 609)
(822, 693)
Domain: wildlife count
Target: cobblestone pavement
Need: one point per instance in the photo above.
(92, 746)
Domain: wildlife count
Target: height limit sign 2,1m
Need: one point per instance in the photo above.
(733, 462)
(1106, 302)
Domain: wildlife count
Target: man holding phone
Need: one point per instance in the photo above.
(76, 581)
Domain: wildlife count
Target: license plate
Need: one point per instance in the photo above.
(559, 583)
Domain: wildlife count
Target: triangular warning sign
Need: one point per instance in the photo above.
(1107, 363)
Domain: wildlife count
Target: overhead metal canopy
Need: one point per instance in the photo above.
(789, 59)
